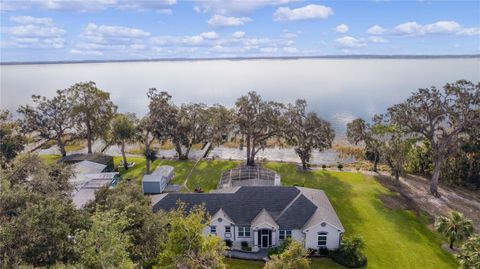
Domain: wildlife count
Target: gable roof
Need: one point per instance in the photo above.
(264, 218)
(289, 207)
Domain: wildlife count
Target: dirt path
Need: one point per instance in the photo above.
(417, 189)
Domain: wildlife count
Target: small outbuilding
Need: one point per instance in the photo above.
(157, 181)
(92, 157)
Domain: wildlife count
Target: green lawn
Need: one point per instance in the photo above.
(394, 238)
(317, 263)
(49, 158)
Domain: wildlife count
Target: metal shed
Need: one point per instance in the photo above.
(157, 181)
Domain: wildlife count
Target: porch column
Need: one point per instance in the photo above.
(255, 237)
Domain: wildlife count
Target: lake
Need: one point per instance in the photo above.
(337, 89)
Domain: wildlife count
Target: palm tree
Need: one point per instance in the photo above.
(454, 226)
(123, 131)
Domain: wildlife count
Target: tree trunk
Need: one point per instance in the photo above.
(375, 163)
(397, 177)
(125, 163)
(250, 162)
(436, 175)
(89, 137)
(147, 154)
(451, 243)
(61, 146)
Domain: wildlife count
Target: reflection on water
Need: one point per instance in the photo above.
(338, 89)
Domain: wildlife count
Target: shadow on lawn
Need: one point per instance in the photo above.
(411, 222)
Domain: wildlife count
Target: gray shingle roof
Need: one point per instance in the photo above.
(288, 206)
(242, 206)
(297, 214)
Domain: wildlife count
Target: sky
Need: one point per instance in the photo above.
(60, 30)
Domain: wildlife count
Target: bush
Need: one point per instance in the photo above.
(323, 251)
(245, 246)
(280, 249)
(228, 243)
(340, 166)
(349, 253)
(311, 251)
(324, 166)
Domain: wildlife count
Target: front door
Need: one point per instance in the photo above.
(264, 240)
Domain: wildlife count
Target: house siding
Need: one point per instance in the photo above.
(333, 236)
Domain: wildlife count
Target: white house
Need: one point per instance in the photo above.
(264, 216)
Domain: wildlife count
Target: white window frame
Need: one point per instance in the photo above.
(243, 230)
(324, 236)
(229, 229)
(213, 229)
(284, 234)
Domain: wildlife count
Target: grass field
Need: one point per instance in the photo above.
(394, 238)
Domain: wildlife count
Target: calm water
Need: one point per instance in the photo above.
(338, 89)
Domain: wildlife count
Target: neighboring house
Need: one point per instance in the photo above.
(88, 178)
(245, 175)
(264, 216)
(93, 157)
(157, 181)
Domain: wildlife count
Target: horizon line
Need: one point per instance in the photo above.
(351, 56)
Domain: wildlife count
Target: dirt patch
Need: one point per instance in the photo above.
(414, 193)
(399, 201)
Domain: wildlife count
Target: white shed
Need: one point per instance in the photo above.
(157, 181)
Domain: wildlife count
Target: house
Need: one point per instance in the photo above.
(92, 157)
(245, 175)
(264, 216)
(88, 178)
(157, 181)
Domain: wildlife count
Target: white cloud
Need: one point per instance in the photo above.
(112, 34)
(32, 20)
(86, 52)
(376, 30)
(289, 35)
(268, 50)
(86, 5)
(409, 28)
(309, 12)
(209, 35)
(349, 42)
(342, 28)
(238, 34)
(442, 27)
(234, 7)
(377, 39)
(439, 27)
(220, 20)
(290, 49)
(31, 30)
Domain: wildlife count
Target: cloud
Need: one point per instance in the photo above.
(87, 5)
(234, 7)
(111, 33)
(439, 27)
(377, 39)
(341, 28)
(309, 12)
(268, 50)
(238, 34)
(348, 42)
(290, 49)
(219, 20)
(209, 35)
(86, 52)
(32, 32)
(376, 30)
(32, 20)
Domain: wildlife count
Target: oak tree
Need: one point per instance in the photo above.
(439, 116)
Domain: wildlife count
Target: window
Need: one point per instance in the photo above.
(284, 234)
(244, 231)
(213, 229)
(322, 239)
(227, 229)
